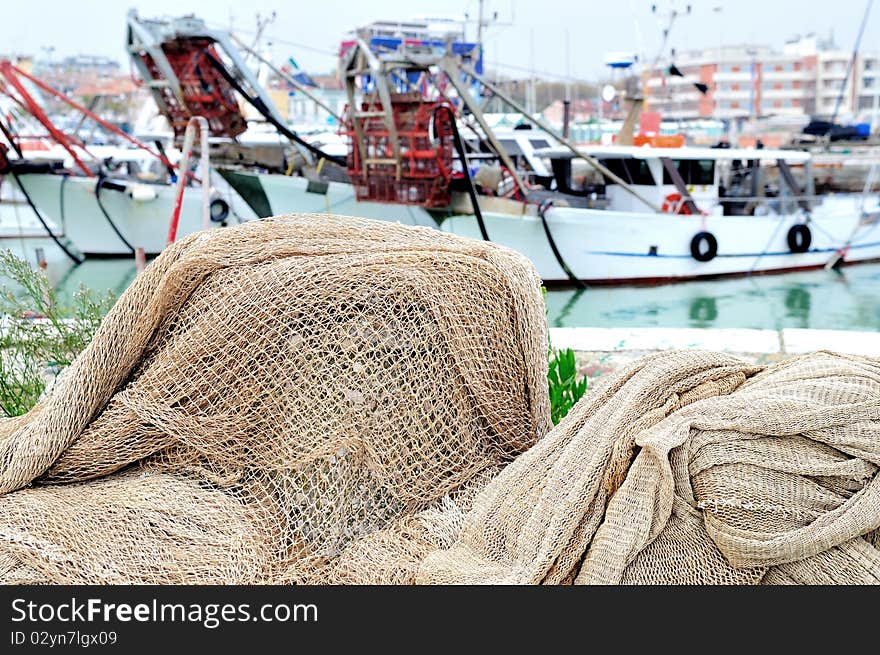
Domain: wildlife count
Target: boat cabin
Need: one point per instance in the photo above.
(729, 181)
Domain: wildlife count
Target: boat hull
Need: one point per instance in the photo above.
(607, 247)
(288, 194)
(141, 223)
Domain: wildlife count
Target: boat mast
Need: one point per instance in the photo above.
(852, 63)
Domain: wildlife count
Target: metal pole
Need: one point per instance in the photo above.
(206, 170)
(566, 103)
(183, 173)
(480, 30)
(140, 259)
(852, 62)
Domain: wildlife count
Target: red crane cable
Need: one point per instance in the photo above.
(48, 89)
(9, 72)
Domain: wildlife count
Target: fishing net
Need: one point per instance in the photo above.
(264, 398)
(691, 468)
(327, 400)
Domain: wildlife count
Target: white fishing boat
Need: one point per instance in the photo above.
(17, 220)
(713, 229)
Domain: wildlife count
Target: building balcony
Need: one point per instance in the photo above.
(656, 82)
(687, 113)
(827, 105)
(743, 76)
(783, 94)
(690, 95)
(741, 94)
(834, 92)
(783, 111)
(783, 76)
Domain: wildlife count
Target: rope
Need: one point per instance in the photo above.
(98, 186)
(542, 209)
(76, 260)
(260, 106)
(472, 191)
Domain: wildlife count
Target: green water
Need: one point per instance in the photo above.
(101, 275)
(849, 300)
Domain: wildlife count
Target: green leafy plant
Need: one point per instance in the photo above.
(562, 378)
(566, 388)
(39, 336)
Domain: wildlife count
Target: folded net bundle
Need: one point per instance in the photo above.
(265, 399)
(691, 468)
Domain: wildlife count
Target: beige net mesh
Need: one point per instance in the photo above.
(263, 397)
(326, 400)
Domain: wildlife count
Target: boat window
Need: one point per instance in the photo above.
(511, 147)
(539, 143)
(693, 171)
(634, 171)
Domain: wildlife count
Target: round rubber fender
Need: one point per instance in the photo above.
(704, 246)
(218, 210)
(799, 238)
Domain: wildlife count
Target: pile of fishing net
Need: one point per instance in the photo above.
(262, 397)
(321, 400)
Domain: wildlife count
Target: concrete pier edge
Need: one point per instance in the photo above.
(789, 341)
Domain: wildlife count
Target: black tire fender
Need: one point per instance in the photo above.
(704, 246)
(218, 210)
(799, 238)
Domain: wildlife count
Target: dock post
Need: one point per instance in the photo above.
(140, 259)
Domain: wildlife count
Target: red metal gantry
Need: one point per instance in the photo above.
(205, 92)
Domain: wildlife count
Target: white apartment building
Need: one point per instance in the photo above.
(804, 79)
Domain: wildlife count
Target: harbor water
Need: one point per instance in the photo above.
(848, 299)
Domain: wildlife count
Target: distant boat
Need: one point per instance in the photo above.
(111, 217)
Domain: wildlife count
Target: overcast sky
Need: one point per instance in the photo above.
(310, 30)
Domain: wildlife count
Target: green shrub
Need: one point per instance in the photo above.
(39, 336)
